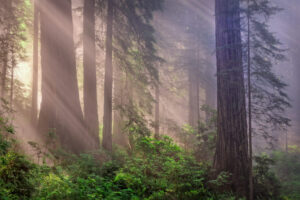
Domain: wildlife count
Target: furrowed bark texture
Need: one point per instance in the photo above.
(232, 143)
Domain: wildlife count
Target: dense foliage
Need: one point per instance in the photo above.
(154, 169)
(268, 89)
(287, 168)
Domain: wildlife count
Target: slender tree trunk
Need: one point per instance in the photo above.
(208, 101)
(13, 65)
(60, 108)
(34, 101)
(119, 135)
(232, 142)
(249, 107)
(8, 8)
(193, 97)
(156, 111)
(4, 73)
(129, 87)
(210, 92)
(89, 64)
(286, 141)
(107, 118)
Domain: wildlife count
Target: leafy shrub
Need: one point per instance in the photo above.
(159, 169)
(15, 176)
(155, 169)
(5, 131)
(16, 179)
(266, 184)
(54, 187)
(287, 168)
(201, 140)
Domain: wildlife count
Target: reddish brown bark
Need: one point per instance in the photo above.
(232, 143)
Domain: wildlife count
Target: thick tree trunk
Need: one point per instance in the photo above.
(34, 104)
(47, 115)
(194, 97)
(60, 108)
(107, 118)
(89, 64)
(232, 143)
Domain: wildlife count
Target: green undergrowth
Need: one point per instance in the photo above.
(155, 169)
(287, 169)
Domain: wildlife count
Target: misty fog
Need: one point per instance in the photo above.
(149, 99)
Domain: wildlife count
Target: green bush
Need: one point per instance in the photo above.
(266, 184)
(287, 168)
(157, 169)
(16, 178)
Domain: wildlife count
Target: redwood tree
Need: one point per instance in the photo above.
(232, 143)
(108, 80)
(35, 63)
(120, 99)
(89, 64)
(60, 107)
(5, 41)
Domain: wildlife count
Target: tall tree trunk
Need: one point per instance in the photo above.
(4, 73)
(249, 104)
(89, 64)
(232, 142)
(47, 115)
(60, 108)
(156, 118)
(6, 45)
(157, 101)
(34, 104)
(107, 118)
(13, 65)
(119, 135)
(210, 96)
(193, 97)
(250, 133)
